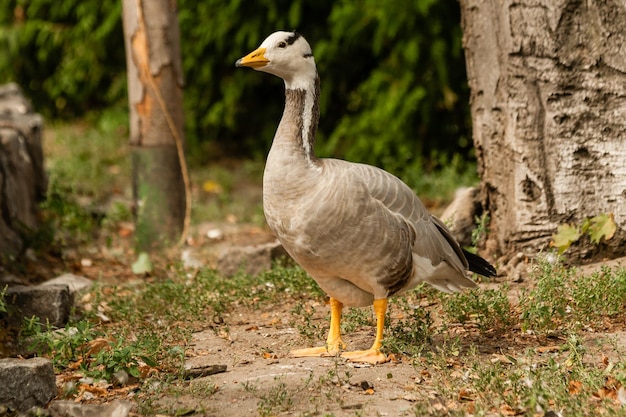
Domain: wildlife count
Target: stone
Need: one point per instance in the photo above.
(118, 408)
(460, 215)
(251, 260)
(76, 284)
(50, 303)
(23, 180)
(26, 383)
(201, 370)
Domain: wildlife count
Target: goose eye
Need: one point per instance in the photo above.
(282, 45)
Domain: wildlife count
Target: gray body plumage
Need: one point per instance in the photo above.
(359, 231)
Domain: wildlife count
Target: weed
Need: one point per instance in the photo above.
(3, 303)
(411, 332)
(544, 307)
(277, 398)
(562, 299)
(490, 309)
(481, 230)
(304, 323)
(64, 346)
(356, 318)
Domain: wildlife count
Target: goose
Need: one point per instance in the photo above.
(359, 231)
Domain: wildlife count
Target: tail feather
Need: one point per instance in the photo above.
(479, 265)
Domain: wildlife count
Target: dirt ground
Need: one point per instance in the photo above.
(261, 378)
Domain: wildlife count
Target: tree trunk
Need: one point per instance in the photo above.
(23, 181)
(155, 81)
(548, 102)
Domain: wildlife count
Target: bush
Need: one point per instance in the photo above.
(394, 92)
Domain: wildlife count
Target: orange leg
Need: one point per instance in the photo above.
(373, 355)
(334, 344)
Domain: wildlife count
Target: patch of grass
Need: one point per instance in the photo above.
(563, 299)
(273, 399)
(303, 321)
(356, 318)
(90, 158)
(489, 309)
(409, 333)
(91, 349)
(544, 306)
(529, 382)
(3, 303)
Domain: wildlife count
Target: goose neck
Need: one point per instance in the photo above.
(298, 125)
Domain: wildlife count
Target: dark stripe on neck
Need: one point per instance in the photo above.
(295, 102)
(290, 40)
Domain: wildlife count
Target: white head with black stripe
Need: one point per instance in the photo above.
(284, 54)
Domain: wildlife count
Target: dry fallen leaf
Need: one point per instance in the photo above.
(574, 387)
(393, 358)
(269, 355)
(548, 349)
(97, 345)
(507, 410)
(465, 395)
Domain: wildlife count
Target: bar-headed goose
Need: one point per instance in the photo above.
(359, 231)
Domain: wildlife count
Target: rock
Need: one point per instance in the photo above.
(461, 213)
(249, 259)
(23, 181)
(26, 383)
(116, 408)
(199, 371)
(76, 284)
(50, 303)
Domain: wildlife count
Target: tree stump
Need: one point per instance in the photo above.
(23, 182)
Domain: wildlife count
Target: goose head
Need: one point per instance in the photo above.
(284, 54)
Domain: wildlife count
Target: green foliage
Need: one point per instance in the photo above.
(3, 303)
(394, 91)
(490, 309)
(563, 299)
(65, 220)
(411, 333)
(68, 55)
(597, 228)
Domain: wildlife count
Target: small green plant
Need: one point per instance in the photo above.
(304, 314)
(356, 318)
(3, 303)
(544, 307)
(601, 294)
(597, 228)
(411, 333)
(63, 346)
(481, 230)
(490, 309)
(562, 298)
(277, 398)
